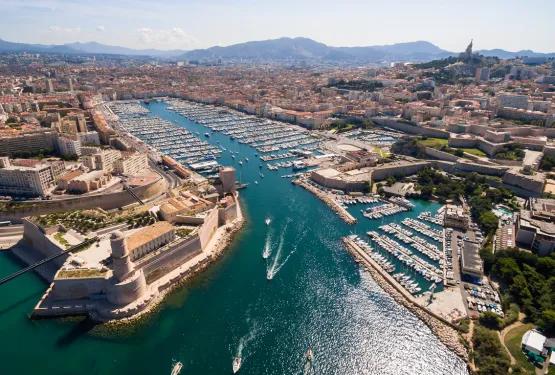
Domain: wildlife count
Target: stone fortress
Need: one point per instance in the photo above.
(142, 264)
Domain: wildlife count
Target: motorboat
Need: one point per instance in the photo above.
(236, 364)
(256, 182)
(268, 221)
(261, 175)
(177, 368)
(309, 355)
(241, 162)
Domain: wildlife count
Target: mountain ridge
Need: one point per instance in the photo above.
(273, 49)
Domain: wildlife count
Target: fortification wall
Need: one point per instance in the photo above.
(392, 169)
(524, 182)
(462, 142)
(127, 291)
(489, 148)
(163, 263)
(104, 201)
(466, 166)
(440, 154)
(207, 230)
(447, 166)
(67, 289)
(412, 129)
(34, 237)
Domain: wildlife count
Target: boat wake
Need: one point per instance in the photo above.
(244, 341)
(268, 246)
(274, 268)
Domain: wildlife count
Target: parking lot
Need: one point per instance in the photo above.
(476, 298)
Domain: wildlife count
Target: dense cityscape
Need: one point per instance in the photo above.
(331, 212)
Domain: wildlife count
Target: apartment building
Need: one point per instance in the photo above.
(29, 140)
(131, 164)
(102, 160)
(33, 180)
(69, 146)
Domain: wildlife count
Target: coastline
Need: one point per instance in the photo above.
(441, 328)
(340, 211)
(228, 233)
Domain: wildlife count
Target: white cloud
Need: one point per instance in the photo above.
(62, 30)
(145, 35)
(174, 36)
(100, 28)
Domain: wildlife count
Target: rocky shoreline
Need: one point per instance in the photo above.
(230, 231)
(340, 211)
(446, 334)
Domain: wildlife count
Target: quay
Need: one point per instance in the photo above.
(332, 203)
(443, 329)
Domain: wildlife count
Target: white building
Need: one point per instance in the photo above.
(131, 165)
(69, 146)
(89, 137)
(28, 181)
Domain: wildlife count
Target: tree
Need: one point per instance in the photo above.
(11, 120)
(506, 269)
(459, 153)
(491, 320)
(548, 320)
(489, 222)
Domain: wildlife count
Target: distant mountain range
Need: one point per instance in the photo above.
(306, 49)
(85, 48)
(502, 54)
(275, 49)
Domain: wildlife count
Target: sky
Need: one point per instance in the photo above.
(190, 24)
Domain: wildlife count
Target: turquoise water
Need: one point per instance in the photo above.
(318, 298)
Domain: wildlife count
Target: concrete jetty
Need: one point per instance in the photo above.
(442, 328)
(332, 203)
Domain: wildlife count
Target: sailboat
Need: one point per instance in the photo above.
(240, 184)
(236, 364)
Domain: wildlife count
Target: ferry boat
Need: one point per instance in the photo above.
(236, 364)
(176, 368)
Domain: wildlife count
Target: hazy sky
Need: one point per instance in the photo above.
(188, 24)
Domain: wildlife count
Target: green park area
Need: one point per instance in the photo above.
(436, 143)
(513, 341)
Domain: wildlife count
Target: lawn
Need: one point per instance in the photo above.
(436, 143)
(513, 340)
(380, 152)
(473, 151)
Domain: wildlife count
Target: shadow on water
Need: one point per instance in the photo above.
(76, 332)
(20, 302)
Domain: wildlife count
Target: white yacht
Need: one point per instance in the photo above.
(177, 368)
(236, 364)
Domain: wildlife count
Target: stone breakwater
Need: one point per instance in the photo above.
(443, 330)
(340, 211)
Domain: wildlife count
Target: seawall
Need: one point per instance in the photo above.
(443, 329)
(340, 211)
